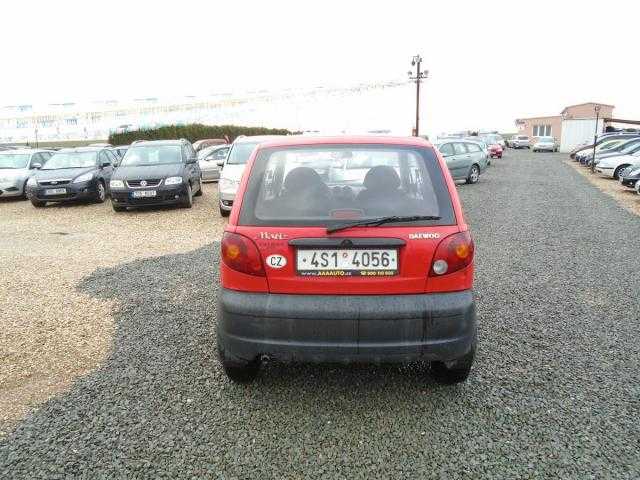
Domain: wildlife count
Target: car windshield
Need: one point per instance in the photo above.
(240, 153)
(630, 146)
(608, 145)
(545, 140)
(521, 137)
(324, 185)
(14, 160)
(146, 155)
(71, 160)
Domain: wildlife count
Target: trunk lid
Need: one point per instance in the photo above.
(279, 247)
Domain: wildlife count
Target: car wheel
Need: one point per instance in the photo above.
(188, 200)
(474, 174)
(616, 172)
(24, 191)
(118, 208)
(199, 194)
(37, 203)
(224, 213)
(101, 193)
(237, 370)
(457, 371)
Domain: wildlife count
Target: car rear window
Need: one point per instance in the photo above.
(328, 185)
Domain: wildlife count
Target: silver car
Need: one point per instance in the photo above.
(465, 159)
(211, 160)
(519, 141)
(16, 166)
(545, 144)
(241, 150)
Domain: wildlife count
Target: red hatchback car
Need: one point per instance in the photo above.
(347, 249)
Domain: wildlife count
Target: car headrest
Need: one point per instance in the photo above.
(382, 177)
(302, 178)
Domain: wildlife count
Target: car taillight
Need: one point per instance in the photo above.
(454, 253)
(241, 254)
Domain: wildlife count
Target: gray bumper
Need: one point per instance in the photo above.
(346, 328)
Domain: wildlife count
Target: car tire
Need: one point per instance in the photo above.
(616, 172)
(224, 213)
(118, 208)
(101, 193)
(24, 191)
(188, 200)
(474, 174)
(457, 371)
(37, 203)
(238, 370)
(199, 193)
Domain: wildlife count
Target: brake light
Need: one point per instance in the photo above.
(454, 253)
(241, 254)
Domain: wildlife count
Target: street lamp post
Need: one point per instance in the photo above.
(418, 76)
(595, 139)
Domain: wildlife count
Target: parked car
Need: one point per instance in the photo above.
(612, 166)
(211, 160)
(586, 156)
(630, 176)
(208, 142)
(494, 148)
(627, 147)
(379, 269)
(465, 159)
(234, 163)
(477, 140)
(493, 139)
(545, 144)
(159, 172)
(16, 166)
(638, 188)
(72, 174)
(519, 141)
(601, 139)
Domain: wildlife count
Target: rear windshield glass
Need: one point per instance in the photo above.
(327, 185)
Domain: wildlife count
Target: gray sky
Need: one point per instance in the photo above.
(490, 61)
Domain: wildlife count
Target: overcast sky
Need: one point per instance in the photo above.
(489, 61)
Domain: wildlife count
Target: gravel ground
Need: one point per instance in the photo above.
(554, 394)
(628, 198)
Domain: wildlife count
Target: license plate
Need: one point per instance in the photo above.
(347, 262)
(55, 191)
(144, 194)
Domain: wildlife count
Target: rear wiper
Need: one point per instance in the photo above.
(381, 220)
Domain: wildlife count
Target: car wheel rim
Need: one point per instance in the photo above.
(474, 174)
(101, 194)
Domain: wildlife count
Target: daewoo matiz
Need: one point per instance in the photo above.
(347, 249)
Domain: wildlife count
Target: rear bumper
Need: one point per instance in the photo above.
(346, 328)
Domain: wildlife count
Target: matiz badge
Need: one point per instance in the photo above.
(276, 261)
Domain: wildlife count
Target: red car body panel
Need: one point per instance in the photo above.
(415, 257)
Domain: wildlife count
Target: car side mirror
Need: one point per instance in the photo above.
(37, 166)
(192, 160)
(105, 164)
(220, 163)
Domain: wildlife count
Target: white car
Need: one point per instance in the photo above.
(612, 166)
(233, 167)
(638, 187)
(519, 141)
(545, 144)
(211, 160)
(16, 166)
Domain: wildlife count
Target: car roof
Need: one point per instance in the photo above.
(302, 140)
(82, 149)
(158, 142)
(26, 150)
(256, 138)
